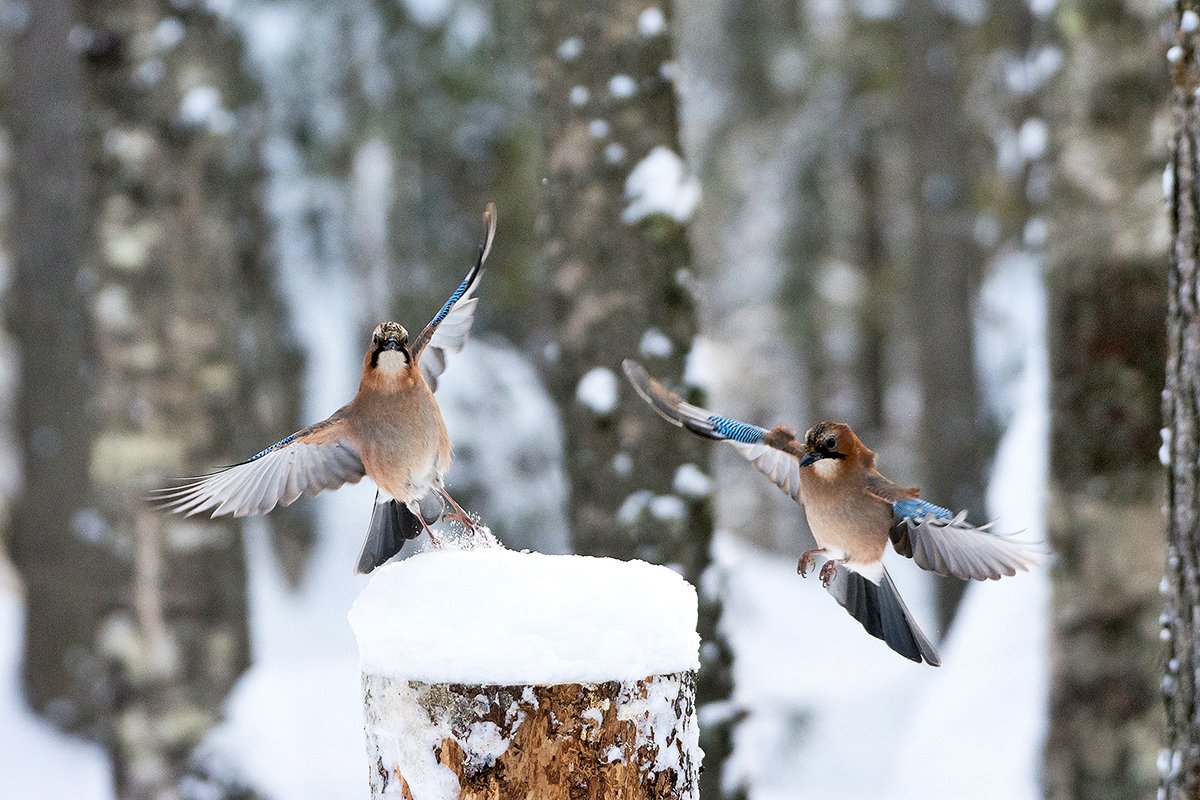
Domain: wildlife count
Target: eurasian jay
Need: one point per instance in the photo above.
(853, 510)
(392, 432)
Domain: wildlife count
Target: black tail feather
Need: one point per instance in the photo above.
(883, 614)
(392, 524)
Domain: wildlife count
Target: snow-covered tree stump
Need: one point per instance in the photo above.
(495, 674)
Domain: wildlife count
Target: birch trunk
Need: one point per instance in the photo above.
(621, 288)
(1179, 766)
(138, 283)
(1107, 247)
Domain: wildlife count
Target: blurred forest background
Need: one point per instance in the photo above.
(941, 221)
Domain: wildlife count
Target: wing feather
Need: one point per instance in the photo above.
(782, 468)
(307, 462)
(447, 332)
(758, 445)
(943, 542)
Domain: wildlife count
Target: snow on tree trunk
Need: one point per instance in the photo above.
(496, 674)
(1179, 763)
(616, 206)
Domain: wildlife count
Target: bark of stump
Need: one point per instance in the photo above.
(631, 740)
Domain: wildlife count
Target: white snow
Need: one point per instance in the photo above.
(501, 617)
(1189, 21)
(1033, 138)
(503, 423)
(1035, 233)
(660, 184)
(599, 128)
(1164, 450)
(405, 736)
(35, 759)
(651, 22)
(668, 508)
(690, 481)
(570, 49)
(579, 95)
(468, 28)
(655, 344)
(597, 390)
(622, 86)
(293, 723)
(614, 153)
(201, 106)
(633, 506)
(428, 13)
(1175, 54)
(168, 33)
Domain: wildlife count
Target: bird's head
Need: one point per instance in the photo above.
(828, 445)
(389, 347)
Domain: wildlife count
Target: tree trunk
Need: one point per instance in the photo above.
(1179, 766)
(621, 288)
(137, 263)
(546, 677)
(632, 740)
(59, 539)
(953, 437)
(1106, 248)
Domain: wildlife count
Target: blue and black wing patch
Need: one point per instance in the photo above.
(916, 509)
(944, 542)
(759, 446)
(447, 332)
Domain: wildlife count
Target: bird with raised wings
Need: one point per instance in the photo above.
(853, 512)
(392, 432)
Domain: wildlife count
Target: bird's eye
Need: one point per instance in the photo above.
(830, 442)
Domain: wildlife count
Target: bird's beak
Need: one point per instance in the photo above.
(810, 458)
(392, 344)
(396, 340)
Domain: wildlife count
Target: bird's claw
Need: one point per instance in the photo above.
(806, 562)
(463, 519)
(828, 573)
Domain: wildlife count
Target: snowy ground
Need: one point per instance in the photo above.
(37, 761)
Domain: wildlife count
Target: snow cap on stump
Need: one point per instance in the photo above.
(495, 616)
(489, 673)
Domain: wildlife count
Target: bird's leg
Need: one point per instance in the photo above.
(433, 540)
(806, 561)
(829, 571)
(458, 515)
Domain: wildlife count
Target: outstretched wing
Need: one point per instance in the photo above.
(448, 330)
(307, 462)
(944, 542)
(759, 446)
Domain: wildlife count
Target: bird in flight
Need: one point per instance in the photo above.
(392, 432)
(853, 512)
